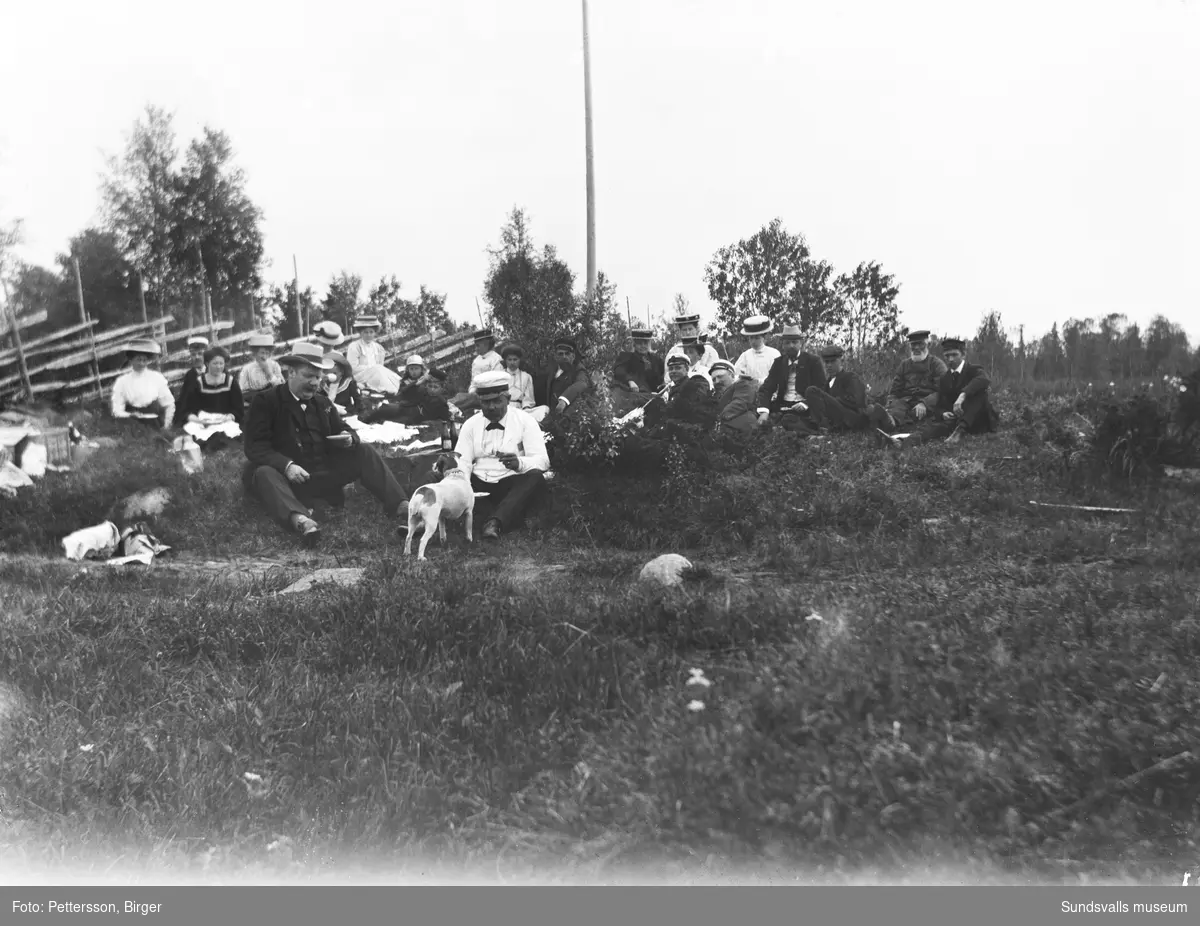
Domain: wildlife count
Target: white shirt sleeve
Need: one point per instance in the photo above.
(119, 399)
(535, 456)
(466, 446)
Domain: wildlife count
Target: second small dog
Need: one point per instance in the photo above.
(434, 504)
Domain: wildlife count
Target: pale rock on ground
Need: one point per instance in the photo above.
(343, 577)
(146, 504)
(667, 569)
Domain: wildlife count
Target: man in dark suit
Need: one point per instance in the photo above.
(637, 375)
(781, 396)
(842, 404)
(961, 404)
(299, 450)
(568, 380)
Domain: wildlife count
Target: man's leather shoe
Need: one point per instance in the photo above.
(491, 530)
(308, 529)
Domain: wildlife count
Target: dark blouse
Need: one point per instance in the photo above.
(225, 399)
(348, 398)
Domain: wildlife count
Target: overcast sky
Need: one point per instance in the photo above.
(1036, 158)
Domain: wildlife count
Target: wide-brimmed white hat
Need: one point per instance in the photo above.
(329, 334)
(260, 340)
(143, 346)
(756, 324)
(310, 354)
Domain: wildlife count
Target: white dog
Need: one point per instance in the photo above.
(434, 504)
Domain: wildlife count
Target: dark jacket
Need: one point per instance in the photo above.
(348, 397)
(849, 390)
(737, 406)
(810, 371)
(571, 385)
(972, 383)
(271, 436)
(692, 401)
(191, 382)
(646, 370)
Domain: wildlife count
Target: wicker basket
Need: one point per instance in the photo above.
(58, 446)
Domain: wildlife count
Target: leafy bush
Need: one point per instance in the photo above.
(1139, 434)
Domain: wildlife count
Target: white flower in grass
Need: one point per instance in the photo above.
(896, 729)
(695, 706)
(697, 678)
(250, 776)
(814, 617)
(88, 747)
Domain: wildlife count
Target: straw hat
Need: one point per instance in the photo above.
(756, 324)
(144, 346)
(329, 334)
(304, 353)
(260, 340)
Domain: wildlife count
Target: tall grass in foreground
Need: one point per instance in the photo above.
(904, 660)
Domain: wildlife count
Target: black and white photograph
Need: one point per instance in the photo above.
(664, 443)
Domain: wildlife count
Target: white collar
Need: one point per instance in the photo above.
(958, 369)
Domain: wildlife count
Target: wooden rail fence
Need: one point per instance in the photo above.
(67, 365)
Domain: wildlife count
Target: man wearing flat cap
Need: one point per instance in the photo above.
(908, 397)
(638, 374)
(299, 451)
(688, 402)
(564, 384)
(504, 452)
(842, 404)
(737, 400)
(196, 345)
(781, 396)
(961, 404)
(142, 394)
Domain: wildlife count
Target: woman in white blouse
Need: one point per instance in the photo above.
(142, 393)
(262, 373)
(757, 359)
(520, 383)
(367, 356)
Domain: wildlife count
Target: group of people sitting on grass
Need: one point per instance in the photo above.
(301, 453)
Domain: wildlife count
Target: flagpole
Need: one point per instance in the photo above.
(591, 179)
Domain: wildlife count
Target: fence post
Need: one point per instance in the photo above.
(16, 335)
(83, 317)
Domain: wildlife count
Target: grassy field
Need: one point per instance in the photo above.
(911, 669)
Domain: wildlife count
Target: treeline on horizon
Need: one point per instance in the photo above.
(178, 225)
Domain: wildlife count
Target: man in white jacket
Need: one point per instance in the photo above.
(142, 393)
(504, 452)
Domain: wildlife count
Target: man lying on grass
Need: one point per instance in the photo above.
(299, 450)
(504, 452)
